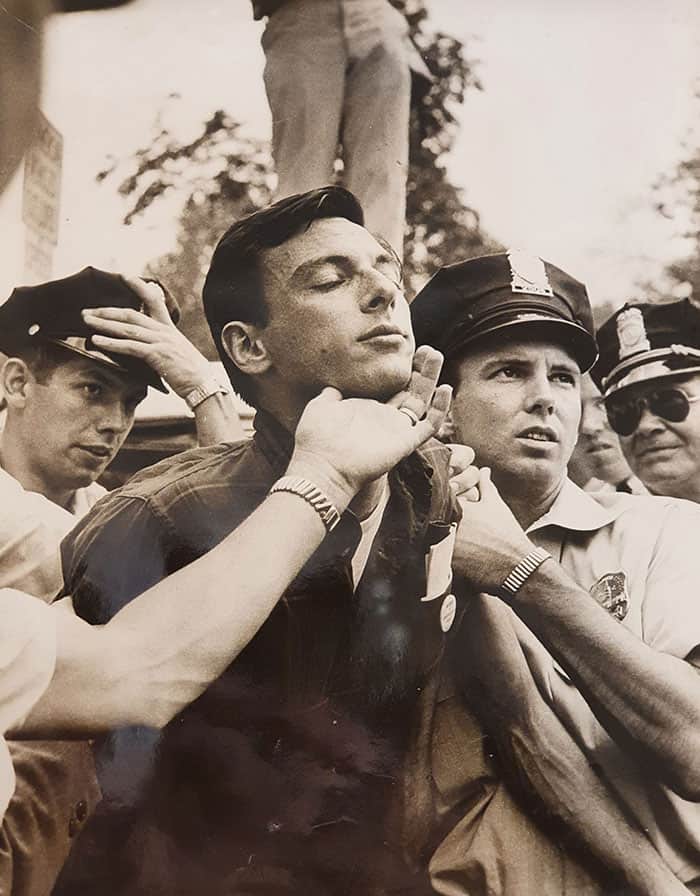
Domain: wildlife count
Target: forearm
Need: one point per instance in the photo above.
(217, 420)
(540, 758)
(649, 702)
(162, 650)
(542, 753)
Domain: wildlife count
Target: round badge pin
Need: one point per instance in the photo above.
(448, 610)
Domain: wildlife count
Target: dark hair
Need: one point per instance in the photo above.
(233, 288)
(43, 359)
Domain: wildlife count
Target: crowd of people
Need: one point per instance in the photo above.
(349, 655)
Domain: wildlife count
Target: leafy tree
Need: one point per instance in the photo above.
(678, 198)
(225, 175)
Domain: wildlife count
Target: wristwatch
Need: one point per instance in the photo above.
(208, 387)
(520, 573)
(313, 495)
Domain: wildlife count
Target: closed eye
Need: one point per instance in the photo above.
(327, 285)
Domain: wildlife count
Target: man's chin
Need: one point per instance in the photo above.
(379, 390)
(535, 474)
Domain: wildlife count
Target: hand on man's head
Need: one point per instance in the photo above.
(150, 336)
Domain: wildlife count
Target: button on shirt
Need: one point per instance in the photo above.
(638, 557)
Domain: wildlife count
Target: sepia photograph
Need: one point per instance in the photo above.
(349, 448)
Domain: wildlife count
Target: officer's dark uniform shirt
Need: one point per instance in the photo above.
(305, 764)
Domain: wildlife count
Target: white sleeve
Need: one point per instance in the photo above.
(31, 530)
(671, 609)
(27, 654)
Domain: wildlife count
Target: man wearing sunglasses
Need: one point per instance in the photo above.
(583, 631)
(649, 373)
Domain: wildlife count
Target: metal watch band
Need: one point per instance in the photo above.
(204, 390)
(517, 577)
(313, 495)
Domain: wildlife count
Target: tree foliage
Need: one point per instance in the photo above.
(224, 174)
(678, 198)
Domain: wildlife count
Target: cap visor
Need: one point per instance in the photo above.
(647, 372)
(138, 370)
(569, 335)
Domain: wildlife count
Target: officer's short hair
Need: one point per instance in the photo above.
(43, 359)
(233, 289)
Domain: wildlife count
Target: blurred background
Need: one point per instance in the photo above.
(565, 128)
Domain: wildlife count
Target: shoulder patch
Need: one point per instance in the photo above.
(610, 591)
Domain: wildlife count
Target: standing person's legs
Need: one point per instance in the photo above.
(305, 80)
(377, 110)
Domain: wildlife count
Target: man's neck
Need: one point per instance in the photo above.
(14, 460)
(527, 504)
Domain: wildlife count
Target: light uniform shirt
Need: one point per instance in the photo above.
(56, 785)
(27, 660)
(31, 530)
(639, 557)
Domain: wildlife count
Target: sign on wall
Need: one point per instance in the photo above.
(41, 200)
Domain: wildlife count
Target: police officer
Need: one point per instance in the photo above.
(584, 631)
(649, 373)
(82, 352)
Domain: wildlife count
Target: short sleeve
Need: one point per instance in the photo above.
(31, 529)
(115, 553)
(27, 654)
(671, 608)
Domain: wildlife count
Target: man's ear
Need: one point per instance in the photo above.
(244, 345)
(16, 380)
(448, 430)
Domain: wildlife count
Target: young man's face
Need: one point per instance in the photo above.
(598, 446)
(77, 419)
(666, 455)
(517, 404)
(337, 312)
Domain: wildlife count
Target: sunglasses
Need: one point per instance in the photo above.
(670, 404)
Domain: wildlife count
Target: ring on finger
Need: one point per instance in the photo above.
(412, 416)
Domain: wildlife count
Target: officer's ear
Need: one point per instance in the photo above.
(16, 380)
(243, 343)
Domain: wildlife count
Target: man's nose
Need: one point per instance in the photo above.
(593, 420)
(541, 395)
(114, 418)
(379, 292)
(649, 423)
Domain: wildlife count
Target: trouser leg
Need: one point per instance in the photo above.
(375, 137)
(304, 79)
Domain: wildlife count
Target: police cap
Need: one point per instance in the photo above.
(647, 341)
(51, 313)
(464, 302)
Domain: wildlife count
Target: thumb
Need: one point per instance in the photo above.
(329, 394)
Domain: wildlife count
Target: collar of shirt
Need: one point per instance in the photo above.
(579, 511)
